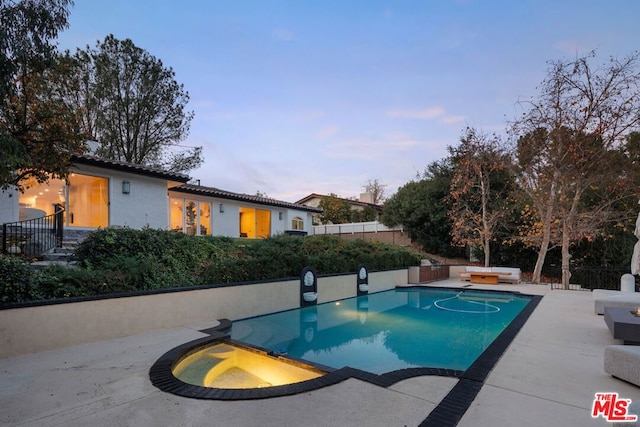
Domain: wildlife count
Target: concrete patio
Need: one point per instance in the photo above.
(548, 376)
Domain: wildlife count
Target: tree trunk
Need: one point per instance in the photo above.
(542, 253)
(566, 259)
(487, 252)
(486, 230)
(546, 230)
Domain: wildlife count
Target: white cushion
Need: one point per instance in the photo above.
(629, 300)
(513, 274)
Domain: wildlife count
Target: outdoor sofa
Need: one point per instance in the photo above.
(626, 297)
(509, 274)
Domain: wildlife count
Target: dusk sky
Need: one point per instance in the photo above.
(293, 97)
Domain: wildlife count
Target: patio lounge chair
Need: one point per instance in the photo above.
(626, 297)
(630, 300)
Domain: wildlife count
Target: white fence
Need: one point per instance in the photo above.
(354, 228)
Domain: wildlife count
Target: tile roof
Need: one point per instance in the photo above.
(86, 159)
(223, 194)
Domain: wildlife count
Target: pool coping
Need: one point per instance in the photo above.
(447, 413)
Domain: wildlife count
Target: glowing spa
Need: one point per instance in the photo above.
(227, 366)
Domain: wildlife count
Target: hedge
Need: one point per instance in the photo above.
(121, 260)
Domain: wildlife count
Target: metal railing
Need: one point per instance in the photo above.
(33, 237)
(591, 277)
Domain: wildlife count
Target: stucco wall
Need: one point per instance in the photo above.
(31, 329)
(227, 222)
(278, 225)
(146, 204)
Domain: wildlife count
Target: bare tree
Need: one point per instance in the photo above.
(571, 153)
(479, 190)
(377, 190)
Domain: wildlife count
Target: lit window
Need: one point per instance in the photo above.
(86, 200)
(190, 216)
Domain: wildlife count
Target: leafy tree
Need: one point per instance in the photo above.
(334, 210)
(38, 131)
(365, 214)
(479, 190)
(420, 206)
(133, 106)
(573, 161)
(377, 190)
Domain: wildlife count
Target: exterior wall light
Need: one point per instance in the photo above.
(126, 187)
(280, 215)
(221, 208)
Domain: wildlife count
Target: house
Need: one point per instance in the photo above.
(234, 214)
(365, 202)
(102, 192)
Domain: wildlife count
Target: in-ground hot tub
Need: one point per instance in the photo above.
(227, 366)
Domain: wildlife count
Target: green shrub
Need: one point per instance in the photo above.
(123, 260)
(18, 281)
(63, 282)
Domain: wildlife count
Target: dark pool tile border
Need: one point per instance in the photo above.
(224, 325)
(448, 412)
(162, 377)
(452, 408)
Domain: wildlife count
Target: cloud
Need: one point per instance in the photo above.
(327, 131)
(427, 113)
(311, 115)
(452, 120)
(282, 34)
(368, 150)
(571, 47)
(225, 115)
(204, 103)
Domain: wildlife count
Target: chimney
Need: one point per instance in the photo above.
(366, 198)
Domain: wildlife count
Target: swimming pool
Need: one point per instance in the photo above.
(388, 331)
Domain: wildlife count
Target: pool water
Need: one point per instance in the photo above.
(387, 331)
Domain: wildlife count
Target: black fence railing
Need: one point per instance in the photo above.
(33, 237)
(589, 277)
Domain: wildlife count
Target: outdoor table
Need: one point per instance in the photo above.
(486, 278)
(623, 324)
